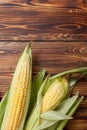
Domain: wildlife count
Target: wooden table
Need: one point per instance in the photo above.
(58, 30)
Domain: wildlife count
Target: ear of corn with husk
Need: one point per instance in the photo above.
(49, 98)
(19, 94)
(56, 92)
(37, 81)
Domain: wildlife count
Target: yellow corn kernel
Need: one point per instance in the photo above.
(54, 95)
(19, 98)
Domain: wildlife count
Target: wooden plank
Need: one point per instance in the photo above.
(57, 3)
(55, 57)
(22, 20)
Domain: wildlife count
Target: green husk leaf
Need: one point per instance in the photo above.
(63, 108)
(82, 70)
(36, 83)
(70, 113)
(2, 107)
(47, 124)
(39, 99)
(33, 119)
(54, 115)
(72, 82)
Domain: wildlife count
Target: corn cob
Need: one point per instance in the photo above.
(55, 94)
(19, 94)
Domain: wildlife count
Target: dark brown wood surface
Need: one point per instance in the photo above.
(58, 30)
(64, 20)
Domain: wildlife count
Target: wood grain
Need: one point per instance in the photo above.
(62, 3)
(26, 20)
(58, 29)
(55, 57)
(56, 3)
